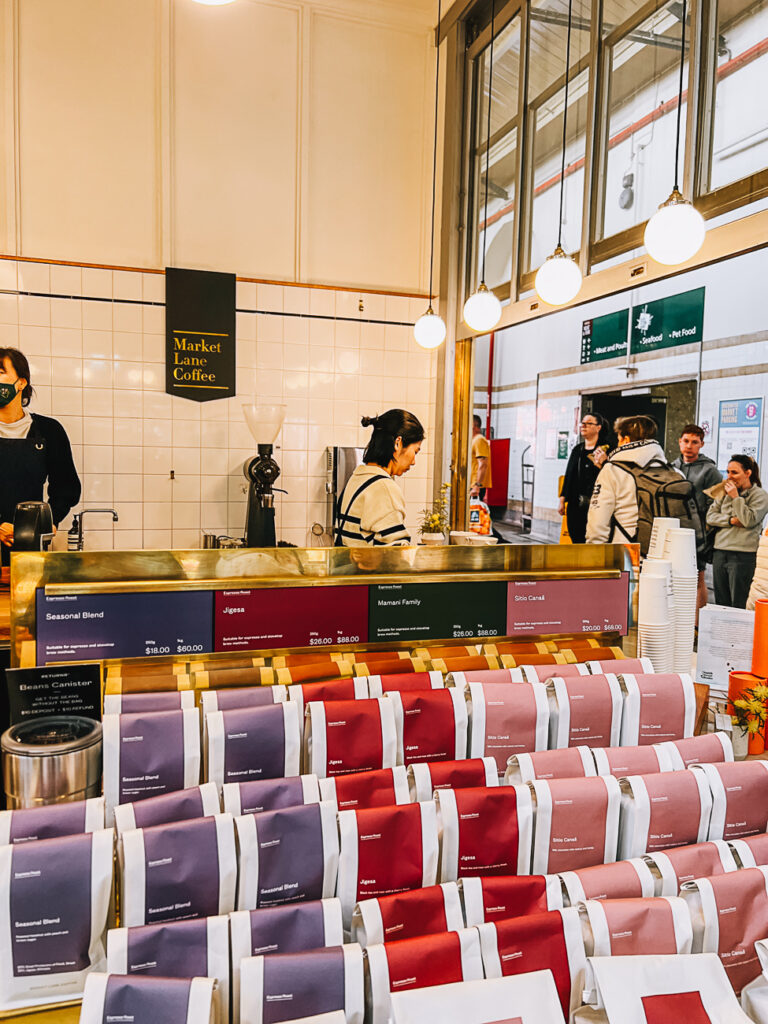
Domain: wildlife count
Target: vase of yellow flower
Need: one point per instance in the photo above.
(749, 715)
(434, 520)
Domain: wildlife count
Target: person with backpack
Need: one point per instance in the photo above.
(636, 485)
(371, 510)
(703, 473)
(738, 517)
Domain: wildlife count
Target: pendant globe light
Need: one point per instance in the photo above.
(429, 329)
(558, 279)
(676, 231)
(482, 310)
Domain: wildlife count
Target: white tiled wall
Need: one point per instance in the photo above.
(98, 367)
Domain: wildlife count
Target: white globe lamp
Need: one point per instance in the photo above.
(429, 330)
(675, 232)
(558, 279)
(482, 310)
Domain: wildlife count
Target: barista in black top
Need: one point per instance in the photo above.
(34, 450)
(581, 473)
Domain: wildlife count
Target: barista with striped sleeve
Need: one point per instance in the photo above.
(371, 511)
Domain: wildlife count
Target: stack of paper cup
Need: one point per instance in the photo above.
(655, 616)
(680, 550)
(658, 533)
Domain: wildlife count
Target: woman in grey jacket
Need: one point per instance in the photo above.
(738, 516)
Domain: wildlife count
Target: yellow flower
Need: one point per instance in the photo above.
(757, 707)
(761, 692)
(753, 726)
(743, 704)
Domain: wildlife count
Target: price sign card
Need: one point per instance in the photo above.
(73, 626)
(58, 690)
(437, 611)
(568, 606)
(294, 617)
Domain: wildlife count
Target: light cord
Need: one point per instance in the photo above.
(488, 138)
(434, 156)
(565, 123)
(680, 100)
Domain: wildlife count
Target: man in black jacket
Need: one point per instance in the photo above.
(703, 473)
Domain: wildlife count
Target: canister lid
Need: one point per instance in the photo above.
(51, 735)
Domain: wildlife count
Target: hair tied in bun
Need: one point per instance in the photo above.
(370, 421)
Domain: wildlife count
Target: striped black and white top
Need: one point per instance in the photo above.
(371, 511)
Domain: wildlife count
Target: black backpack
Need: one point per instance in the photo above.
(661, 491)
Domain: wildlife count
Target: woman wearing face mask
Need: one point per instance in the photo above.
(581, 473)
(738, 516)
(34, 450)
(372, 508)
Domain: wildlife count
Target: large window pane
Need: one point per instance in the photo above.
(502, 162)
(740, 128)
(546, 100)
(643, 74)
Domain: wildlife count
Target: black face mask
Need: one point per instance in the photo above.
(7, 392)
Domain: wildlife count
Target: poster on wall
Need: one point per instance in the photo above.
(738, 431)
(199, 334)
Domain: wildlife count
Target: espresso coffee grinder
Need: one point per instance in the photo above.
(261, 472)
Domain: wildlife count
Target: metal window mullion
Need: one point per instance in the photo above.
(523, 175)
(502, 20)
(707, 70)
(593, 136)
(693, 106)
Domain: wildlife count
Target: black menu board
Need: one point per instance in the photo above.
(425, 611)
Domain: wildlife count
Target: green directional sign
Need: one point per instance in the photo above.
(605, 337)
(665, 323)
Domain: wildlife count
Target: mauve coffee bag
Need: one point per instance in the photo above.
(577, 823)
(148, 754)
(51, 821)
(176, 949)
(54, 908)
(709, 748)
(585, 711)
(361, 790)
(506, 720)
(551, 940)
(251, 744)
(269, 795)
(404, 915)
(658, 990)
(182, 870)
(543, 673)
(349, 736)
(134, 999)
(485, 831)
(431, 725)
(424, 779)
(386, 850)
(421, 962)
(729, 914)
(624, 665)
(624, 879)
(461, 680)
(657, 707)
(491, 898)
(287, 855)
(242, 697)
(702, 860)
(291, 986)
(739, 798)
(623, 761)
(567, 763)
(637, 927)
(659, 812)
(181, 805)
(134, 703)
(293, 928)
(404, 682)
(752, 852)
(351, 688)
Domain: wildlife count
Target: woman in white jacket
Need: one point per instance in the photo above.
(613, 510)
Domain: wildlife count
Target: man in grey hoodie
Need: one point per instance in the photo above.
(703, 473)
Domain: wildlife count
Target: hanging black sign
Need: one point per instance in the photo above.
(54, 690)
(199, 334)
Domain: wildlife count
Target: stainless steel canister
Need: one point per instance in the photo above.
(51, 759)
